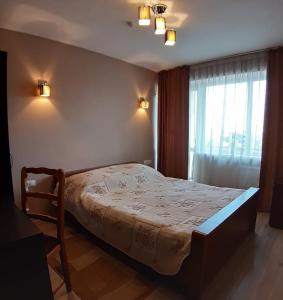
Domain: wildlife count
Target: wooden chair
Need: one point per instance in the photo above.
(50, 243)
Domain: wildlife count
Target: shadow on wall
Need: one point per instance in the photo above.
(146, 58)
(20, 17)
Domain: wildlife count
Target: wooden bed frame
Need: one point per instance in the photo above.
(213, 242)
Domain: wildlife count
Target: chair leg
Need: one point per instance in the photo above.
(65, 267)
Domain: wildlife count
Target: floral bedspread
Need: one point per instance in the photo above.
(146, 215)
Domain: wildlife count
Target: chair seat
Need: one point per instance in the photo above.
(50, 243)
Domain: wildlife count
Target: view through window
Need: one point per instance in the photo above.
(226, 120)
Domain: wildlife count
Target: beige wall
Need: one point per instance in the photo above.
(92, 117)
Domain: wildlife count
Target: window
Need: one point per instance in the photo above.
(226, 121)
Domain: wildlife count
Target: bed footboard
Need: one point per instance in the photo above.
(214, 241)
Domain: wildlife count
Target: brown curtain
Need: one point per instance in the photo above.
(173, 115)
(272, 151)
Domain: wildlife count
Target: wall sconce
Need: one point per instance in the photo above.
(43, 88)
(144, 104)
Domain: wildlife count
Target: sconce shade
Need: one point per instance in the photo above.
(144, 15)
(170, 37)
(160, 25)
(144, 104)
(44, 88)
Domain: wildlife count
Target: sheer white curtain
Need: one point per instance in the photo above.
(226, 121)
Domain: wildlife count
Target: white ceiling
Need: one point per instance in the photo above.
(206, 29)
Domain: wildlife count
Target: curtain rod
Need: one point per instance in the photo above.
(233, 56)
(265, 50)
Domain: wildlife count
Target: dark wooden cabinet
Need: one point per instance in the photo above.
(276, 212)
(23, 272)
(6, 186)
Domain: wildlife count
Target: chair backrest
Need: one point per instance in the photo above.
(58, 198)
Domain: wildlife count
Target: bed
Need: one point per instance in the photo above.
(182, 230)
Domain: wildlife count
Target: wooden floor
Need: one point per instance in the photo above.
(255, 271)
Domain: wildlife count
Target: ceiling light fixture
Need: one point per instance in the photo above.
(170, 37)
(160, 25)
(144, 15)
(160, 22)
(159, 8)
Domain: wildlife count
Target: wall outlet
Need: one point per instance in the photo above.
(30, 183)
(147, 162)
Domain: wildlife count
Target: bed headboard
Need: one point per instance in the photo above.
(70, 173)
(74, 172)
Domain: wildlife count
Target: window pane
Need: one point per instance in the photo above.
(257, 117)
(231, 116)
(226, 121)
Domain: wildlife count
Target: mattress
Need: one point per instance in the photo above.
(144, 214)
